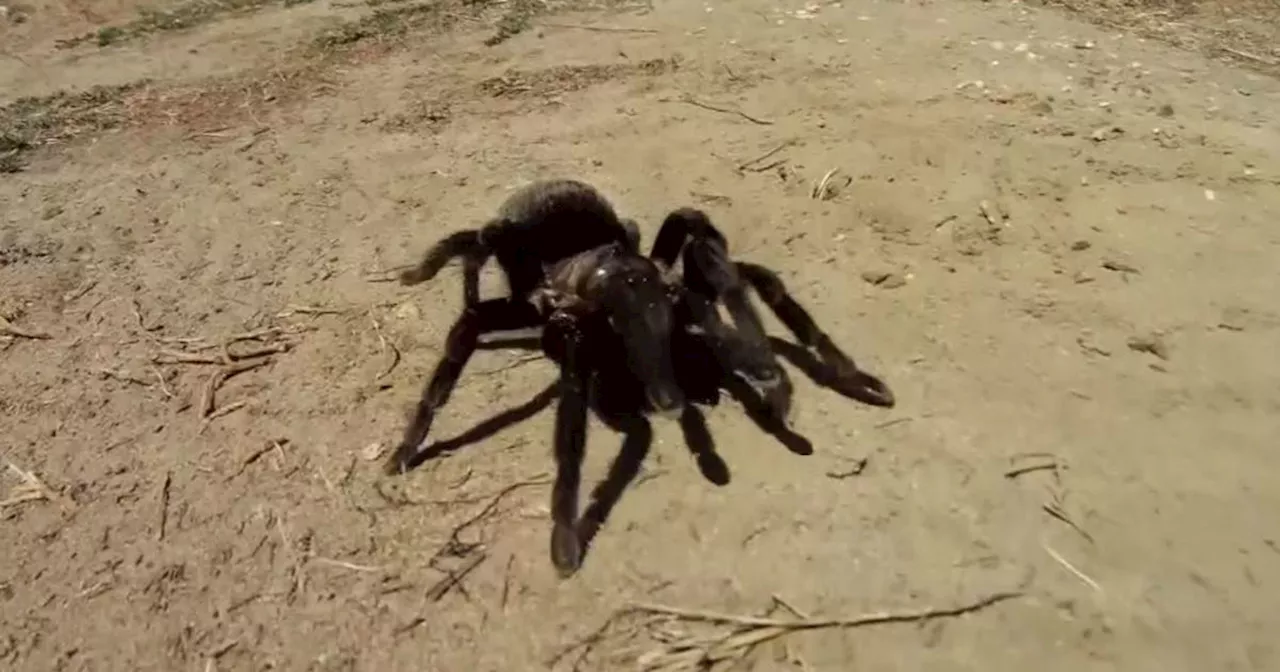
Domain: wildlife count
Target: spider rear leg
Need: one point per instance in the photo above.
(466, 244)
(838, 371)
(481, 318)
(474, 246)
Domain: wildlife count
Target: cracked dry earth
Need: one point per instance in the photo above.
(1056, 242)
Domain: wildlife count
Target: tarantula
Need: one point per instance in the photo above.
(541, 224)
(586, 342)
(614, 323)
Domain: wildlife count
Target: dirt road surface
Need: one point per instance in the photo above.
(1052, 232)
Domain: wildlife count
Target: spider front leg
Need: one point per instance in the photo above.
(836, 369)
(570, 440)
(481, 318)
(736, 354)
(744, 351)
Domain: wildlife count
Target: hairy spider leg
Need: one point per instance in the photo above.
(708, 272)
(483, 318)
(839, 371)
(570, 441)
(468, 244)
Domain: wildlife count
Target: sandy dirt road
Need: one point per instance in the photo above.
(1056, 240)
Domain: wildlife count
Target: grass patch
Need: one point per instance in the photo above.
(517, 19)
(186, 15)
(388, 22)
(397, 18)
(29, 123)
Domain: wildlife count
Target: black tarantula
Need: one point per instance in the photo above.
(541, 224)
(614, 325)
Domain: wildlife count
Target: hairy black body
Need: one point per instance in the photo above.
(538, 226)
(541, 223)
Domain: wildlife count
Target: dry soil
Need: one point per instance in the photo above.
(1053, 233)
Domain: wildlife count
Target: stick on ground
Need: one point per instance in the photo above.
(455, 546)
(747, 164)
(700, 653)
(387, 346)
(690, 100)
(164, 505)
(8, 328)
(30, 490)
(600, 29)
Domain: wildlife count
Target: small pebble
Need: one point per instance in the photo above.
(371, 452)
(1106, 133)
(407, 311)
(885, 279)
(1081, 245)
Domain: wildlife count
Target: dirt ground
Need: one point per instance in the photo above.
(1053, 235)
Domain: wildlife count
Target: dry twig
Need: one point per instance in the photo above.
(164, 505)
(746, 164)
(256, 455)
(8, 328)
(681, 651)
(750, 631)
(219, 412)
(387, 345)
(230, 364)
(1019, 471)
(1070, 567)
(30, 490)
(80, 291)
(1056, 512)
(820, 190)
(455, 546)
(600, 29)
(690, 100)
(206, 408)
(345, 565)
(454, 577)
(1249, 56)
(309, 310)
